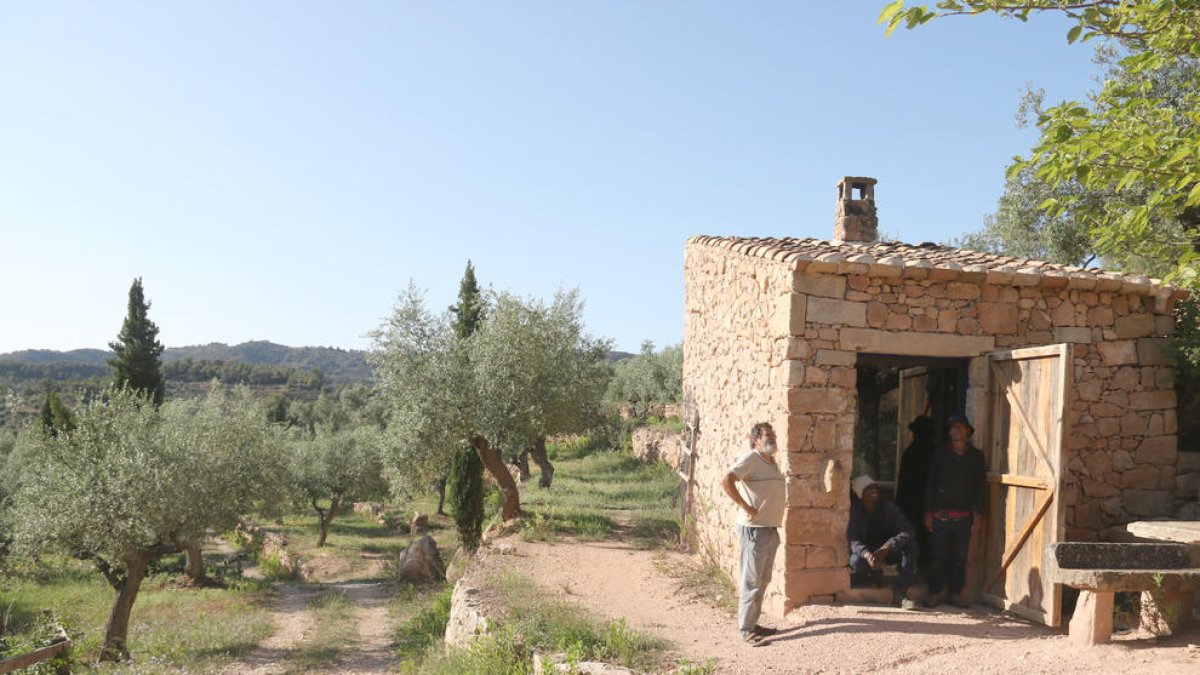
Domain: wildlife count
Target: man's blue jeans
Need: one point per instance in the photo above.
(758, 557)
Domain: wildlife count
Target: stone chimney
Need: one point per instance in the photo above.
(854, 219)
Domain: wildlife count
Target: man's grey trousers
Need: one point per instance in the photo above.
(758, 557)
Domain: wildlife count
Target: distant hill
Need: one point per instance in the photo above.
(338, 365)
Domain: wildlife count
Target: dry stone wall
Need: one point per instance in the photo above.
(769, 338)
(657, 445)
(734, 306)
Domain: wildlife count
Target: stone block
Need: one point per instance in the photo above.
(877, 314)
(1080, 335)
(1089, 390)
(998, 318)
(1156, 450)
(961, 291)
(1152, 400)
(1165, 612)
(1100, 316)
(1092, 622)
(800, 585)
(1149, 502)
(1095, 489)
(1135, 326)
(900, 322)
(1117, 353)
(796, 435)
(823, 285)
(1141, 478)
(836, 312)
(819, 400)
(807, 492)
(836, 357)
(825, 557)
(1153, 352)
(797, 348)
(924, 344)
(788, 316)
(947, 321)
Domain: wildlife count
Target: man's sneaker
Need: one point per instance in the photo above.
(764, 631)
(753, 639)
(898, 596)
(908, 604)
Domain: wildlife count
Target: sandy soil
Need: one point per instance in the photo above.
(616, 581)
(371, 651)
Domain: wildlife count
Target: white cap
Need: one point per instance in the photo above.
(860, 483)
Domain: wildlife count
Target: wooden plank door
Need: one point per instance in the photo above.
(912, 401)
(1026, 469)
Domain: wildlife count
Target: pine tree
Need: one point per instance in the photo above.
(137, 363)
(465, 482)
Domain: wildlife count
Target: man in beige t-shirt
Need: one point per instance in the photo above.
(756, 485)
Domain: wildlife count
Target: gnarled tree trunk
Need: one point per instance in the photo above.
(126, 583)
(522, 464)
(195, 562)
(543, 461)
(495, 466)
(325, 517)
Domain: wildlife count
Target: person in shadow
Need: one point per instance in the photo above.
(879, 534)
(914, 471)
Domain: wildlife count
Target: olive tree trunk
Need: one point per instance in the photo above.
(441, 488)
(522, 465)
(495, 466)
(126, 583)
(538, 451)
(325, 517)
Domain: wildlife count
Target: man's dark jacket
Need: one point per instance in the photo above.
(956, 482)
(868, 531)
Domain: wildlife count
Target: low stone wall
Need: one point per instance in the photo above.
(653, 444)
(269, 545)
(466, 616)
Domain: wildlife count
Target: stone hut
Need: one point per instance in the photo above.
(1063, 371)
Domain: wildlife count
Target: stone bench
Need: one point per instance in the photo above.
(1163, 573)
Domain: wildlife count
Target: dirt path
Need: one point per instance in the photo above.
(293, 622)
(617, 581)
(371, 651)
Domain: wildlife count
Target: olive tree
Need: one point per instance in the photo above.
(528, 371)
(339, 467)
(131, 482)
(538, 373)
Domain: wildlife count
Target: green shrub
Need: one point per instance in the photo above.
(425, 628)
(273, 569)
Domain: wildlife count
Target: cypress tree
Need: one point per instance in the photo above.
(137, 363)
(465, 488)
(56, 416)
(468, 313)
(465, 482)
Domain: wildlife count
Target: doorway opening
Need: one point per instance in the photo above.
(903, 405)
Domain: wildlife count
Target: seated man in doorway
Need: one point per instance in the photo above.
(879, 534)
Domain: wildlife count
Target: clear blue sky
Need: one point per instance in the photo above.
(280, 170)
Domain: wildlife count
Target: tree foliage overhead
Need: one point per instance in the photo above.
(137, 363)
(1136, 141)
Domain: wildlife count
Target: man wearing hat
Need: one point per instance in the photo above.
(879, 534)
(953, 507)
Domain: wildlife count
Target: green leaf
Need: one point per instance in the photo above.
(1073, 34)
(890, 11)
(1193, 198)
